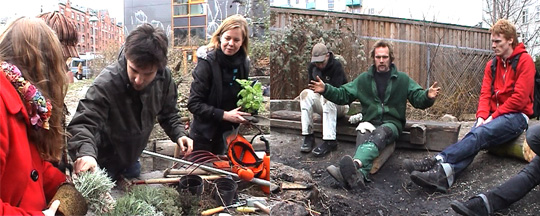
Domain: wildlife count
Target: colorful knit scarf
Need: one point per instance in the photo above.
(38, 108)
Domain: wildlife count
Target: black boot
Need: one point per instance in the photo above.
(421, 165)
(326, 147)
(335, 172)
(309, 140)
(351, 175)
(434, 179)
(473, 207)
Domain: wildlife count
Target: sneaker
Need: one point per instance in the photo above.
(336, 174)
(352, 177)
(473, 207)
(421, 165)
(309, 140)
(326, 147)
(433, 179)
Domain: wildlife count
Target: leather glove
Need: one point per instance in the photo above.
(356, 118)
(363, 126)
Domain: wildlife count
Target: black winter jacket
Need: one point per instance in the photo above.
(332, 73)
(113, 122)
(206, 97)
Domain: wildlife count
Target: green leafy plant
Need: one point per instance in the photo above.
(251, 98)
(96, 188)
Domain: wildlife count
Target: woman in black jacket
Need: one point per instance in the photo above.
(214, 90)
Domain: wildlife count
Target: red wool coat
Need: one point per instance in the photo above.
(27, 182)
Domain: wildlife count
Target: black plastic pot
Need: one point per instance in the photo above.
(225, 192)
(193, 183)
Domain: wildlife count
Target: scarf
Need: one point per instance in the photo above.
(37, 106)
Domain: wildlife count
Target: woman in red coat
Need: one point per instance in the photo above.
(32, 90)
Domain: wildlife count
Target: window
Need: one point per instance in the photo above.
(537, 14)
(197, 9)
(62, 10)
(78, 18)
(82, 38)
(82, 18)
(180, 10)
(72, 16)
(180, 36)
(525, 16)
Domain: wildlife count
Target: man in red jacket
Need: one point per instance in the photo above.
(503, 112)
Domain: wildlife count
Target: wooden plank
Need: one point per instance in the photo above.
(382, 158)
(437, 137)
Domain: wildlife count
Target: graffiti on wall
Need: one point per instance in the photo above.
(139, 17)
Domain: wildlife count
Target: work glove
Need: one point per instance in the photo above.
(363, 126)
(356, 118)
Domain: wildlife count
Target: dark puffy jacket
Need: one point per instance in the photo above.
(206, 95)
(113, 122)
(332, 73)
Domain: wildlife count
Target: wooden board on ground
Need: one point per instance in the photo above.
(438, 135)
(382, 158)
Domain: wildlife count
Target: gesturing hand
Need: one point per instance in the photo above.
(433, 91)
(316, 85)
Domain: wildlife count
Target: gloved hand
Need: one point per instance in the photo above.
(363, 126)
(356, 118)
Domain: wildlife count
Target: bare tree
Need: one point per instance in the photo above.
(525, 14)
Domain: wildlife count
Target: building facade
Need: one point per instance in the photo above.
(93, 24)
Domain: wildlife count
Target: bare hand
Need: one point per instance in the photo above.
(488, 120)
(52, 210)
(235, 116)
(479, 121)
(316, 86)
(186, 144)
(433, 91)
(84, 163)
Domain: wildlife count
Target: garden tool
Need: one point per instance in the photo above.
(259, 181)
(221, 208)
(258, 202)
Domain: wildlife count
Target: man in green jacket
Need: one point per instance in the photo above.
(383, 92)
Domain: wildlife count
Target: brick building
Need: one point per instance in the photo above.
(108, 31)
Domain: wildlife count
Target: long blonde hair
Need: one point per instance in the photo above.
(33, 47)
(232, 22)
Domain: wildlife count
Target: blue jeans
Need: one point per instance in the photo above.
(499, 131)
(132, 171)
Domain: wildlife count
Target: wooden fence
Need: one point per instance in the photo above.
(427, 51)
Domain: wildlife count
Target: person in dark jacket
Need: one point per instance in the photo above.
(113, 122)
(383, 92)
(503, 112)
(323, 64)
(214, 90)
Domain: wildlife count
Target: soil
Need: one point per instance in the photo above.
(391, 191)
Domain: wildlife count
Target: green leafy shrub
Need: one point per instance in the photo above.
(251, 98)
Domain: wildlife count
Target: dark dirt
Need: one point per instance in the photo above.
(391, 191)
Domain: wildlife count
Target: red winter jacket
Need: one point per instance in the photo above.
(514, 94)
(21, 193)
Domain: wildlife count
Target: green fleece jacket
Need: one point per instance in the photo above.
(392, 110)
